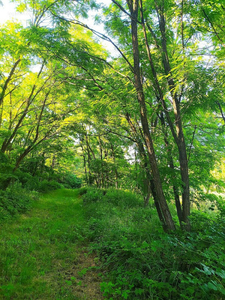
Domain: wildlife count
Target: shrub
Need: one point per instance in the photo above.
(123, 198)
(15, 200)
(6, 173)
(83, 190)
(71, 181)
(115, 197)
(144, 262)
(33, 183)
(92, 195)
(46, 186)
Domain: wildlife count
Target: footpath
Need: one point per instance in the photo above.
(43, 253)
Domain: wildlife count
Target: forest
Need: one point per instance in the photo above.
(112, 127)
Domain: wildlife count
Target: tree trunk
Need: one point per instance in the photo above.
(180, 140)
(145, 164)
(116, 172)
(2, 95)
(171, 164)
(178, 133)
(133, 7)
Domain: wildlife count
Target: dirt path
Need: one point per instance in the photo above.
(43, 254)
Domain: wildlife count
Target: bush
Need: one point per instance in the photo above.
(15, 200)
(115, 197)
(144, 262)
(92, 195)
(33, 183)
(6, 173)
(71, 181)
(83, 191)
(28, 181)
(123, 198)
(46, 186)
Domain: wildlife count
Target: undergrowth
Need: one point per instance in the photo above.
(39, 250)
(145, 263)
(15, 200)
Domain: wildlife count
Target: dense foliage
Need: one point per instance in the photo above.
(145, 263)
(141, 127)
(149, 116)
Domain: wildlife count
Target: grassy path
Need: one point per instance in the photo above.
(41, 256)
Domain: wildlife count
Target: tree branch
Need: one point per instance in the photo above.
(8, 80)
(97, 33)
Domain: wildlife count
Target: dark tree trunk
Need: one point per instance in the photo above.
(115, 170)
(133, 7)
(177, 132)
(171, 164)
(179, 139)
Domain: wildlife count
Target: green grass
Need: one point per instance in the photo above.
(43, 253)
(37, 248)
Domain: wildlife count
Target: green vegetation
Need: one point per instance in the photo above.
(145, 263)
(148, 117)
(15, 200)
(42, 257)
(41, 251)
(139, 130)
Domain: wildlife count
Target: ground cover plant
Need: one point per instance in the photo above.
(43, 255)
(15, 200)
(17, 196)
(142, 261)
(42, 252)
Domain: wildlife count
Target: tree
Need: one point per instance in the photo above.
(154, 95)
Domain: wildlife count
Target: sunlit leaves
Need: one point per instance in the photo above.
(46, 11)
(90, 93)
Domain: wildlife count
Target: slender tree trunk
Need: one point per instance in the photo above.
(7, 142)
(171, 164)
(180, 139)
(101, 175)
(114, 161)
(2, 95)
(178, 133)
(133, 7)
(85, 164)
(89, 161)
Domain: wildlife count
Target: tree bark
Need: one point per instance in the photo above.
(171, 164)
(177, 132)
(145, 164)
(180, 139)
(133, 7)
(8, 80)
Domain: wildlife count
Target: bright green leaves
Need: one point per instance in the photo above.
(90, 95)
(49, 11)
(21, 7)
(36, 98)
(13, 40)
